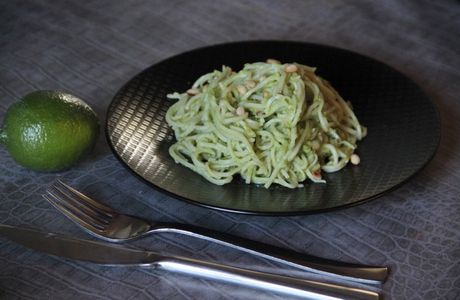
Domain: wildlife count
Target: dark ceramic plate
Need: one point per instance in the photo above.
(403, 129)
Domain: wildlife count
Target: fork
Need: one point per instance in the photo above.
(107, 224)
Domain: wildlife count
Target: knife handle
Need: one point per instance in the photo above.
(337, 269)
(266, 281)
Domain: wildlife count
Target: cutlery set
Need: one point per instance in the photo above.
(111, 226)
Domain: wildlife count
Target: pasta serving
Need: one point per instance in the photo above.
(269, 123)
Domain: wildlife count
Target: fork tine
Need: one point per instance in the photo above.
(69, 214)
(73, 204)
(65, 189)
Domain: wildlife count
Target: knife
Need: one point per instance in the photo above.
(115, 255)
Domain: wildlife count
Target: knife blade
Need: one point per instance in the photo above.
(115, 255)
(71, 248)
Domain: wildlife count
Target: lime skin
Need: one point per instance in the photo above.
(49, 131)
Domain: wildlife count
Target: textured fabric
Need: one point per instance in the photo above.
(91, 48)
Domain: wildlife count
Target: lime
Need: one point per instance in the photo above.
(49, 130)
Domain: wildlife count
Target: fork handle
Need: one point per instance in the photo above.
(266, 281)
(342, 270)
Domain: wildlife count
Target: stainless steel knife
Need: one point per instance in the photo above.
(114, 255)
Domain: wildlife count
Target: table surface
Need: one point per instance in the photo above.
(91, 48)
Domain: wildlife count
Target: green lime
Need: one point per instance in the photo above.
(49, 130)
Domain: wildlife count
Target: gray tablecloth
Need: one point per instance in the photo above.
(91, 48)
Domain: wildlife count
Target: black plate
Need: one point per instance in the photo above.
(403, 128)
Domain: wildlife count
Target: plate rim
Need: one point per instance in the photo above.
(275, 213)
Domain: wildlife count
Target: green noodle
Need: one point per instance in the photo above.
(266, 122)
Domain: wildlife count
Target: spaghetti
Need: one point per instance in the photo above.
(270, 123)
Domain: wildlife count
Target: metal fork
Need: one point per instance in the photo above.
(105, 223)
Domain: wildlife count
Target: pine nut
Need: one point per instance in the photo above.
(241, 89)
(273, 61)
(240, 111)
(354, 159)
(192, 92)
(290, 68)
